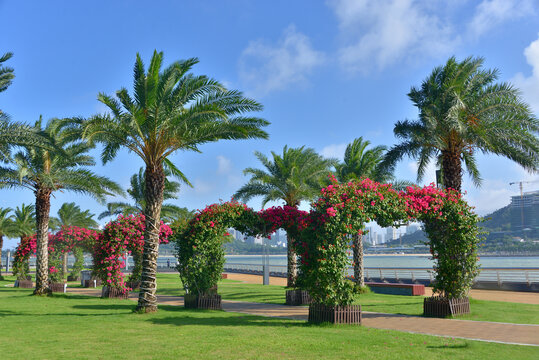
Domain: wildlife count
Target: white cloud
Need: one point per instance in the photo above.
(491, 13)
(334, 151)
(530, 85)
(384, 33)
(269, 67)
(224, 165)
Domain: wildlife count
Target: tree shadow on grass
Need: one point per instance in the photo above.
(129, 306)
(186, 319)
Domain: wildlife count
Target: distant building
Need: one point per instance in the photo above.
(525, 211)
(391, 234)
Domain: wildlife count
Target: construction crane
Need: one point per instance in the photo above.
(522, 197)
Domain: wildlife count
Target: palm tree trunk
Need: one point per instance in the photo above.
(43, 206)
(64, 265)
(292, 269)
(1, 246)
(452, 170)
(359, 279)
(155, 185)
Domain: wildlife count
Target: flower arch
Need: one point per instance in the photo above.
(323, 236)
(77, 240)
(125, 234)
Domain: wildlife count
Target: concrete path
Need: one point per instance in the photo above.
(521, 334)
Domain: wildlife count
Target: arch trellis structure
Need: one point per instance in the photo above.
(323, 236)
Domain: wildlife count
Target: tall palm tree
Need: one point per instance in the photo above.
(170, 110)
(24, 224)
(359, 163)
(462, 110)
(137, 193)
(6, 228)
(296, 175)
(46, 171)
(70, 214)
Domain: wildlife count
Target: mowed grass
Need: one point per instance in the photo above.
(79, 327)
(170, 284)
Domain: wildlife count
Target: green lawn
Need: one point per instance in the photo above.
(78, 327)
(170, 284)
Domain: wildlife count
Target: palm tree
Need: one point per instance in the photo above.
(46, 171)
(359, 163)
(6, 228)
(296, 175)
(24, 224)
(70, 214)
(137, 194)
(170, 110)
(463, 110)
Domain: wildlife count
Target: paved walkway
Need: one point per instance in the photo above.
(467, 329)
(493, 295)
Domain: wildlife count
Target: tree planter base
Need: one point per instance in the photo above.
(57, 287)
(113, 293)
(437, 306)
(26, 284)
(338, 314)
(133, 284)
(90, 283)
(202, 301)
(297, 297)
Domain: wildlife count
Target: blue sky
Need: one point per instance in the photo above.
(326, 71)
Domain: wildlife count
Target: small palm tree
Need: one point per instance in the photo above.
(296, 175)
(6, 228)
(46, 171)
(24, 224)
(70, 214)
(359, 163)
(171, 110)
(137, 193)
(463, 110)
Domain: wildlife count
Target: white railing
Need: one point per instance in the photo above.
(499, 276)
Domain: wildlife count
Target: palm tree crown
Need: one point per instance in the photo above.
(70, 214)
(298, 174)
(137, 192)
(170, 110)
(24, 220)
(462, 110)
